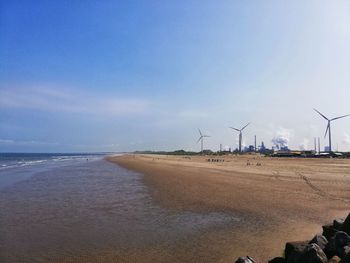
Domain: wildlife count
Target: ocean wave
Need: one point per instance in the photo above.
(49, 159)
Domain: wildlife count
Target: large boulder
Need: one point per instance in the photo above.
(330, 250)
(346, 259)
(329, 231)
(293, 250)
(336, 244)
(246, 259)
(346, 225)
(342, 252)
(341, 239)
(313, 254)
(319, 240)
(303, 252)
(338, 223)
(277, 260)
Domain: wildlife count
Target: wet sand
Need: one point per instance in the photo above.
(97, 211)
(282, 200)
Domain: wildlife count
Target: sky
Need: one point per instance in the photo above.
(97, 76)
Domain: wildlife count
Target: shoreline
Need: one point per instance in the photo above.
(272, 199)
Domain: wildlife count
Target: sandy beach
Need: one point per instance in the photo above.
(276, 199)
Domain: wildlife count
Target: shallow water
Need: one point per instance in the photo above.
(69, 210)
(16, 167)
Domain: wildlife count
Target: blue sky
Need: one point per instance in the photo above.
(133, 75)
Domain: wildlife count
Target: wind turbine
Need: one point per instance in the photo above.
(328, 129)
(240, 136)
(201, 138)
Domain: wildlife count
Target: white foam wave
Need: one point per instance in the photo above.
(51, 160)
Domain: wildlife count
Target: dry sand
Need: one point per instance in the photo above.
(282, 200)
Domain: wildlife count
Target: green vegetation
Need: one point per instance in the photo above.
(177, 152)
(183, 152)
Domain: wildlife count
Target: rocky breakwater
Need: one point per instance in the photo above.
(332, 246)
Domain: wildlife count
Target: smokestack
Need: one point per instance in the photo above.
(315, 144)
(254, 143)
(319, 146)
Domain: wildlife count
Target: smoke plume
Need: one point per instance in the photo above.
(281, 139)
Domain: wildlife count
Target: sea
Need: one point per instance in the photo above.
(18, 166)
(71, 207)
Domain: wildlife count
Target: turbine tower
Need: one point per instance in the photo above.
(328, 129)
(201, 139)
(240, 136)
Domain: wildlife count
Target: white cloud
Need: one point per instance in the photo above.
(192, 114)
(5, 141)
(226, 148)
(304, 145)
(53, 99)
(8, 141)
(337, 18)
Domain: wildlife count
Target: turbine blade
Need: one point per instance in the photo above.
(340, 117)
(200, 138)
(321, 114)
(326, 130)
(200, 132)
(206, 136)
(234, 129)
(245, 126)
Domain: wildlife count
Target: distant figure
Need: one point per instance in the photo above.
(248, 163)
(87, 159)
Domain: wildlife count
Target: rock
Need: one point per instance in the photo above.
(294, 247)
(341, 252)
(334, 259)
(346, 225)
(330, 249)
(346, 259)
(277, 260)
(329, 231)
(338, 223)
(341, 239)
(336, 244)
(246, 259)
(346, 250)
(302, 252)
(293, 250)
(313, 254)
(319, 240)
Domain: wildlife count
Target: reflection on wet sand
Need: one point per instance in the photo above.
(98, 211)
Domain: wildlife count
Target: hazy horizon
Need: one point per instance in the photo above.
(145, 75)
